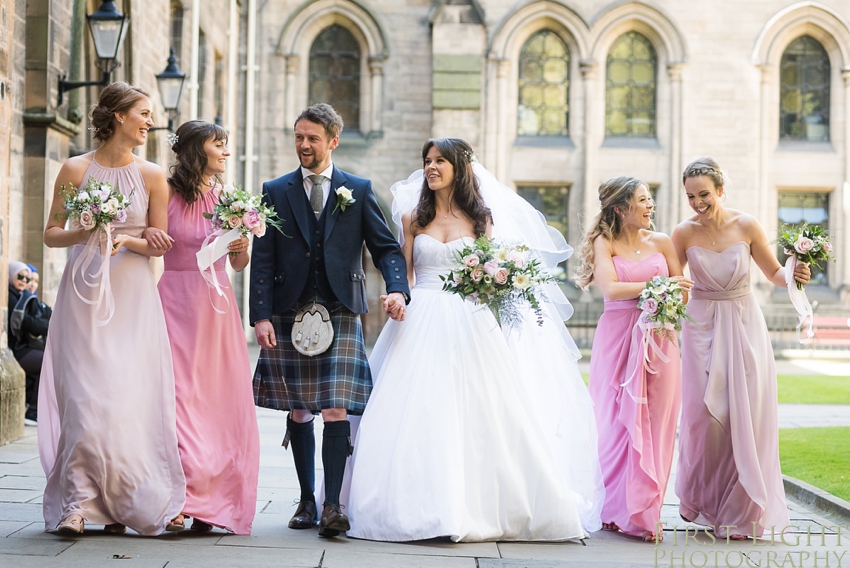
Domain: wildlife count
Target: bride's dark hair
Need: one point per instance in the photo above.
(464, 192)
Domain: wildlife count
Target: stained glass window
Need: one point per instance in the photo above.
(630, 87)
(335, 73)
(554, 202)
(544, 86)
(796, 207)
(804, 91)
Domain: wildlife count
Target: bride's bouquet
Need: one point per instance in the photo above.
(96, 205)
(809, 244)
(662, 305)
(501, 277)
(243, 211)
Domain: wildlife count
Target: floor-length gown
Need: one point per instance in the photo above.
(106, 423)
(728, 471)
(449, 444)
(216, 420)
(636, 410)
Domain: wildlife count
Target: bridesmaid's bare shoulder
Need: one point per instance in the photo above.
(74, 169)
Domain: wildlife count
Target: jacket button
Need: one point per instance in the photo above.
(261, 280)
(261, 302)
(396, 269)
(308, 255)
(259, 291)
(318, 232)
(397, 277)
(318, 245)
(392, 262)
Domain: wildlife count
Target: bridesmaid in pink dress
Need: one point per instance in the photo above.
(106, 421)
(728, 474)
(216, 420)
(636, 410)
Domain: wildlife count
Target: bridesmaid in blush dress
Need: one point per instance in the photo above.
(216, 421)
(728, 474)
(106, 422)
(636, 403)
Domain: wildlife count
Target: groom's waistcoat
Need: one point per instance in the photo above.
(317, 286)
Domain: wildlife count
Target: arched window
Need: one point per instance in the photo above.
(804, 91)
(335, 73)
(544, 86)
(630, 87)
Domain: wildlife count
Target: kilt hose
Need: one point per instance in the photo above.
(338, 378)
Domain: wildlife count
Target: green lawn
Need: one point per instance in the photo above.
(819, 456)
(813, 389)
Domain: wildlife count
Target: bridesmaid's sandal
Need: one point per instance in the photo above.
(738, 537)
(176, 524)
(115, 528)
(610, 527)
(200, 526)
(653, 538)
(72, 525)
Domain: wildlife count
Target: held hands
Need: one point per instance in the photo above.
(158, 239)
(264, 330)
(394, 305)
(685, 283)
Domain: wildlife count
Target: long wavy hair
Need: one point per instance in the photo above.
(464, 192)
(187, 174)
(614, 195)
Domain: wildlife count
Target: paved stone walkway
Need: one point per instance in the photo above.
(23, 543)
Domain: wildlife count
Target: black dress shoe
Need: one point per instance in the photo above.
(333, 521)
(305, 516)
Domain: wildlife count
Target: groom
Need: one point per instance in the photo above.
(327, 216)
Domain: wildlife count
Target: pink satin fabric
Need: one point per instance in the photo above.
(636, 423)
(728, 471)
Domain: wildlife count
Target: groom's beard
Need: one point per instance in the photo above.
(309, 161)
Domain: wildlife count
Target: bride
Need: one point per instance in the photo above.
(472, 433)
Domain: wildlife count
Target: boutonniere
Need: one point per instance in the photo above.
(343, 199)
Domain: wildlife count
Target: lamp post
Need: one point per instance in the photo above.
(170, 84)
(108, 28)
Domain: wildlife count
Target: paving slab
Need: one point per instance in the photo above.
(9, 527)
(28, 512)
(21, 547)
(22, 482)
(18, 495)
(337, 559)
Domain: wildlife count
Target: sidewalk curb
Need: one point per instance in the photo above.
(817, 498)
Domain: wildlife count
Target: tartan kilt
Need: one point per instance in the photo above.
(338, 378)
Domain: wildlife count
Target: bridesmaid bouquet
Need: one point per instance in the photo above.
(809, 244)
(662, 304)
(241, 210)
(96, 205)
(500, 276)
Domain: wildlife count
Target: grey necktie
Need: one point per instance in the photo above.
(317, 201)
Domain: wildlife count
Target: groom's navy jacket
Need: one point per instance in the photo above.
(281, 265)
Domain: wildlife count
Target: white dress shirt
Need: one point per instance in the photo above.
(326, 185)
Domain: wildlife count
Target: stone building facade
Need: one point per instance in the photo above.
(557, 96)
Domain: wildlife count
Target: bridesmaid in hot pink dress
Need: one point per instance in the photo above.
(728, 473)
(636, 409)
(216, 420)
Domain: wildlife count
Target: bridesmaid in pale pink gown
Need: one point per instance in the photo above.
(728, 473)
(106, 423)
(636, 409)
(216, 420)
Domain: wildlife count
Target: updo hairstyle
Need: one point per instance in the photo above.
(114, 98)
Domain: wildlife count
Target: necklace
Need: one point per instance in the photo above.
(712, 237)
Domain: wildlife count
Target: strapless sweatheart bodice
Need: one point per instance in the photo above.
(433, 258)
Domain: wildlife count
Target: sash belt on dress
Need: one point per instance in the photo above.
(720, 295)
(621, 305)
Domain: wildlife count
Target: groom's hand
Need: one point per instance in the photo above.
(394, 305)
(264, 330)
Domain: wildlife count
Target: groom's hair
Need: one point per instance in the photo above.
(325, 115)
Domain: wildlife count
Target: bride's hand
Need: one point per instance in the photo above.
(394, 305)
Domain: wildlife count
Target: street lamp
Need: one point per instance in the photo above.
(108, 28)
(170, 84)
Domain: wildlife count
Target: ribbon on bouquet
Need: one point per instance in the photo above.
(799, 300)
(647, 328)
(96, 248)
(213, 248)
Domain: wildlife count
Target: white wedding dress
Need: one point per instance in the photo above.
(470, 433)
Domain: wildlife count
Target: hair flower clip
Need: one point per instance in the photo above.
(172, 139)
(92, 129)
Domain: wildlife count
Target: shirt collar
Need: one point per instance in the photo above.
(328, 173)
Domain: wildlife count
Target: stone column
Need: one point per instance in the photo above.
(843, 245)
(763, 190)
(503, 67)
(376, 69)
(669, 213)
(289, 111)
(591, 140)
